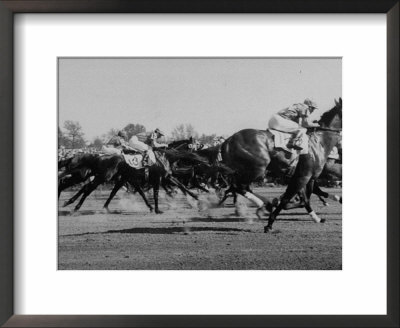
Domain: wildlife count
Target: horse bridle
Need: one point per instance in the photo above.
(320, 128)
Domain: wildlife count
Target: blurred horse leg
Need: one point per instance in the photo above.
(320, 193)
(75, 197)
(87, 190)
(290, 192)
(118, 185)
(156, 188)
(181, 187)
(226, 195)
(141, 193)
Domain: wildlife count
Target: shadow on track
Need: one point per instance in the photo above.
(167, 231)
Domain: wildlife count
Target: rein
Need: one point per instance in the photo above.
(320, 128)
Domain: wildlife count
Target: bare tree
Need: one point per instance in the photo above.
(97, 143)
(107, 136)
(74, 134)
(134, 129)
(184, 131)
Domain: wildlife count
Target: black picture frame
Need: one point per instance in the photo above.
(10, 7)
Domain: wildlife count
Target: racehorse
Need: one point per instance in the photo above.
(77, 169)
(250, 152)
(310, 166)
(185, 144)
(114, 168)
(212, 172)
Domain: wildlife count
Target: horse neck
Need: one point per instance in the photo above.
(328, 140)
(161, 161)
(183, 144)
(209, 153)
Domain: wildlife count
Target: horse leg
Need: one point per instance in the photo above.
(182, 187)
(226, 194)
(168, 189)
(307, 194)
(261, 204)
(156, 187)
(87, 191)
(196, 184)
(234, 194)
(320, 193)
(76, 196)
(302, 184)
(118, 185)
(290, 192)
(141, 193)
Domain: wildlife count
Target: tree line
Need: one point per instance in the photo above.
(71, 136)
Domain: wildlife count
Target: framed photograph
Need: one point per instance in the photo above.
(182, 165)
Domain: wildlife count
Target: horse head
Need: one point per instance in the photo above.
(184, 144)
(332, 119)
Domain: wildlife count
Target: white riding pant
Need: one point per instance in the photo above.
(138, 145)
(111, 150)
(279, 123)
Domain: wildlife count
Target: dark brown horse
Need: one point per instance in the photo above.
(159, 174)
(77, 169)
(250, 152)
(311, 165)
(114, 168)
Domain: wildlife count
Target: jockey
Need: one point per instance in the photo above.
(294, 119)
(153, 139)
(218, 141)
(120, 141)
(144, 142)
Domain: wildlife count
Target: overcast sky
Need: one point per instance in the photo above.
(219, 96)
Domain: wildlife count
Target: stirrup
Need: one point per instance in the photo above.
(293, 144)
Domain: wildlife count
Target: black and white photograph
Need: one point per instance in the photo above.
(207, 163)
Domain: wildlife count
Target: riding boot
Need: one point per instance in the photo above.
(146, 158)
(296, 141)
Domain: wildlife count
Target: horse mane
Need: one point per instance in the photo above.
(327, 117)
(180, 142)
(210, 153)
(174, 155)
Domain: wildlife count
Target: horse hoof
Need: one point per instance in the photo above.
(159, 212)
(267, 229)
(151, 210)
(259, 213)
(323, 221)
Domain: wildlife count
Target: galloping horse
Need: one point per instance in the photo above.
(114, 168)
(311, 165)
(250, 152)
(77, 169)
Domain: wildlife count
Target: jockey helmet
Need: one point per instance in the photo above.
(122, 134)
(310, 103)
(159, 131)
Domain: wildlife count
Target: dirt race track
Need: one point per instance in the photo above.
(184, 237)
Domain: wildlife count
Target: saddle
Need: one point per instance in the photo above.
(283, 140)
(134, 160)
